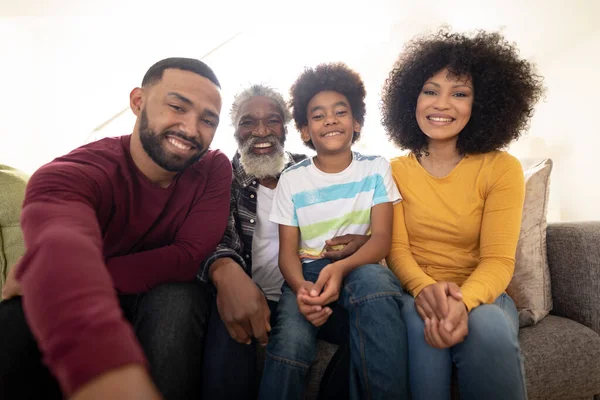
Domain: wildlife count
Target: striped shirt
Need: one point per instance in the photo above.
(326, 205)
(237, 240)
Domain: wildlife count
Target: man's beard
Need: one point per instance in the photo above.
(153, 145)
(262, 165)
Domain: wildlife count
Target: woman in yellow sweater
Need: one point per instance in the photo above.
(455, 101)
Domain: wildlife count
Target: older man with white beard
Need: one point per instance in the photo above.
(244, 268)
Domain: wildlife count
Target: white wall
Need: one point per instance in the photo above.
(566, 128)
(68, 67)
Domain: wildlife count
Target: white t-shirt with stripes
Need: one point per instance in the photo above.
(327, 205)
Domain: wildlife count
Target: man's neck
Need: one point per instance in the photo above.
(270, 182)
(333, 163)
(147, 166)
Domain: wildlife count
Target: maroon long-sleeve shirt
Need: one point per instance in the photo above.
(93, 222)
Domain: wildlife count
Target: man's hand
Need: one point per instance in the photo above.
(432, 301)
(451, 331)
(11, 287)
(315, 314)
(351, 243)
(241, 304)
(327, 287)
(130, 382)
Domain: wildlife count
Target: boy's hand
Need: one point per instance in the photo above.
(315, 314)
(330, 283)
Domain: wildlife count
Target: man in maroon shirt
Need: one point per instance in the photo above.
(116, 231)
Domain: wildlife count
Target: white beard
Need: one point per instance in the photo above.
(263, 166)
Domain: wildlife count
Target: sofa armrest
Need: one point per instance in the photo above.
(574, 261)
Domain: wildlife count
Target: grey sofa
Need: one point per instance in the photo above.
(562, 352)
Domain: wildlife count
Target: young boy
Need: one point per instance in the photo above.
(337, 192)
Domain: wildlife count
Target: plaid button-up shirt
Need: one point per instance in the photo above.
(237, 240)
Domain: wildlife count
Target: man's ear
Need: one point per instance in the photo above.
(304, 134)
(136, 101)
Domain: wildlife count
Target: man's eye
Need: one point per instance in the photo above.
(208, 122)
(245, 123)
(176, 108)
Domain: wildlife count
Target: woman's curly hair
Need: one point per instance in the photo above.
(506, 89)
(336, 77)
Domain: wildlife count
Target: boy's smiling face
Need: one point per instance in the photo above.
(331, 125)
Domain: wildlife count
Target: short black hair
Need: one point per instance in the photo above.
(155, 73)
(335, 77)
(506, 89)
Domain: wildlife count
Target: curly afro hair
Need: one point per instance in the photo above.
(506, 89)
(336, 77)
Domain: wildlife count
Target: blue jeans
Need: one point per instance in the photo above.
(378, 364)
(488, 362)
(230, 368)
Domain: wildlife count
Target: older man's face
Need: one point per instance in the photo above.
(260, 134)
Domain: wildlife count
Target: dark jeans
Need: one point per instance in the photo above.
(372, 296)
(230, 368)
(169, 321)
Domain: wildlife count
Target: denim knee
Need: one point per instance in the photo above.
(293, 338)
(372, 281)
(492, 330)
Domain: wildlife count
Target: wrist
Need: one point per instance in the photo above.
(221, 269)
(342, 266)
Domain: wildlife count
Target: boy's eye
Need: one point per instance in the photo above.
(341, 112)
(317, 117)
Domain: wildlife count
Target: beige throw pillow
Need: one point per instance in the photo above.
(530, 286)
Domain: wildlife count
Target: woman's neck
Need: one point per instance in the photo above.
(441, 157)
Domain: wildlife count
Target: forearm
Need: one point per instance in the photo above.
(373, 251)
(69, 298)
(489, 280)
(291, 269)
(221, 268)
(139, 272)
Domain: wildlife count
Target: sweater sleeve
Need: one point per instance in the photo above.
(500, 227)
(195, 241)
(68, 295)
(401, 261)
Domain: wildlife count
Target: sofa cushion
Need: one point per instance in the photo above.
(530, 286)
(562, 359)
(12, 192)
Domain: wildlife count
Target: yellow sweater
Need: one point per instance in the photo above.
(461, 228)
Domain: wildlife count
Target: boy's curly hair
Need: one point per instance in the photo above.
(336, 77)
(506, 89)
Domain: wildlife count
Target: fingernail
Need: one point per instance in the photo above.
(314, 293)
(318, 308)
